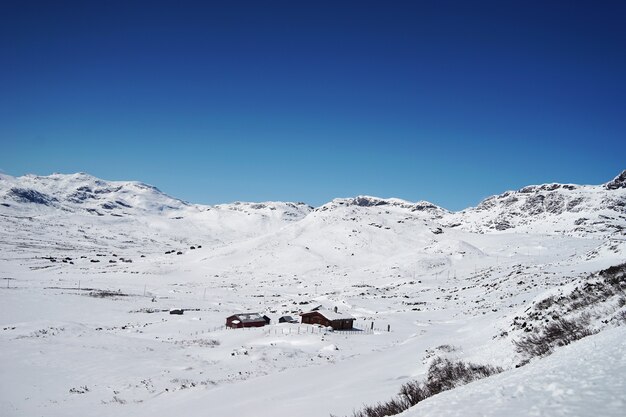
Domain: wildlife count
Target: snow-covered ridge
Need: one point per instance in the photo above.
(548, 208)
(80, 210)
(81, 191)
(551, 208)
(290, 211)
(369, 201)
(617, 182)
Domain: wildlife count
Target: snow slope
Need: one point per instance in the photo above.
(586, 378)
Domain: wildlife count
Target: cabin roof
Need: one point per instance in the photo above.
(330, 315)
(248, 317)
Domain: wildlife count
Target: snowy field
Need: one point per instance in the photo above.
(90, 270)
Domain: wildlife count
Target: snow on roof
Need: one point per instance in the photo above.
(331, 315)
(248, 317)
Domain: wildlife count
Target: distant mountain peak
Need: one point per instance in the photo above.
(365, 201)
(83, 192)
(551, 208)
(369, 201)
(617, 182)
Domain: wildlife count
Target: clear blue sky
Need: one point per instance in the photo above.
(221, 101)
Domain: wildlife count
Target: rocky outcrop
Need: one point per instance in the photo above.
(617, 182)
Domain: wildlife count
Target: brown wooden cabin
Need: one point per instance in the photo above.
(328, 318)
(241, 320)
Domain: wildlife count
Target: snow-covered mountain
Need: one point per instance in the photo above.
(430, 209)
(92, 268)
(551, 208)
(548, 208)
(79, 210)
(82, 193)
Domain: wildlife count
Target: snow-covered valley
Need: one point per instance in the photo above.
(91, 268)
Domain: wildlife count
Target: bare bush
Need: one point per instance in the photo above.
(615, 275)
(199, 342)
(545, 303)
(107, 294)
(620, 318)
(80, 390)
(596, 296)
(560, 332)
(443, 375)
(414, 392)
(446, 348)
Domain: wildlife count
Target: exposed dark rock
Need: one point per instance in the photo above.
(123, 204)
(368, 202)
(533, 204)
(502, 224)
(617, 182)
(25, 195)
(573, 203)
(424, 206)
(81, 194)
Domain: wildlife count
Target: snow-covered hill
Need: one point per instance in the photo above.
(92, 268)
(82, 192)
(81, 212)
(576, 210)
(582, 379)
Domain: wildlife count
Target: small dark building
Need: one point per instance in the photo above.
(337, 321)
(238, 321)
(267, 319)
(287, 319)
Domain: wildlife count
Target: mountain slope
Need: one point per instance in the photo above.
(83, 212)
(570, 209)
(82, 192)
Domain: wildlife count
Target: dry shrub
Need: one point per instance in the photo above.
(560, 332)
(443, 375)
